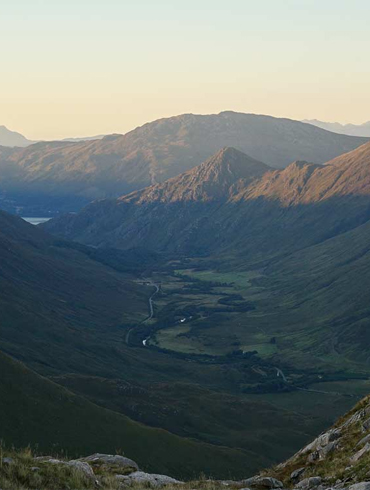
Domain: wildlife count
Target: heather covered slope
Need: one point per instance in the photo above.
(64, 175)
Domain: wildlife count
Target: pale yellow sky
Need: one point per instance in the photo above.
(92, 67)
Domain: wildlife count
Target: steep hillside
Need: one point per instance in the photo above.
(55, 176)
(257, 211)
(51, 291)
(338, 458)
(41, 413)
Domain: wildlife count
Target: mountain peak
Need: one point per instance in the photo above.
(12, 138)
(230, 164)
(215, 179)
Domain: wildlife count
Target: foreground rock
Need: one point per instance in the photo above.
(83, 468)
(147, 479)
(112, 463)
(263, 482)
(99, 468)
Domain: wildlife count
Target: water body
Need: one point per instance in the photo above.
(35, 221)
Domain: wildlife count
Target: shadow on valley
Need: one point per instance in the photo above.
(252, 326)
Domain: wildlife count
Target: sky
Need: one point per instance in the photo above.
(87, 67)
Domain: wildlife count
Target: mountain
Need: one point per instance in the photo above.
(11, 138)
(211, 181)
(254, 211)
(56, 176)
(362, 130)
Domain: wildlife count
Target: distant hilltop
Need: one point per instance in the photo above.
(348, 129)
(14, 139)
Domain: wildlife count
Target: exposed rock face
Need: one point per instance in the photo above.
(338, 458)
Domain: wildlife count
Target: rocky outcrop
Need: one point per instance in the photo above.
(338, 458)
(100, 469)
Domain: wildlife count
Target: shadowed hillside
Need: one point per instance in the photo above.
(252, 210)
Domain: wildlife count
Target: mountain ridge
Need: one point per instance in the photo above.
(299, 194)
(75, 173)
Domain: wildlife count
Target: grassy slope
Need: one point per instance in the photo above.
(34, 409)
(54, 298)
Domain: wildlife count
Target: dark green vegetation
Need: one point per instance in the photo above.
(50, 177)
(337, 458)
(34, 409)
(74, 330)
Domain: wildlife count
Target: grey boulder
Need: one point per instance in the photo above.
(147, 479)
(360, 486)
(263, 482)
(307, 483)
(112, 462)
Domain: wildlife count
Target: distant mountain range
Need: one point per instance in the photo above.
(13, 139)
(349, 129)
(62, 176)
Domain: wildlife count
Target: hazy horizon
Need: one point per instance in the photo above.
(83, 135)
(88, 68)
